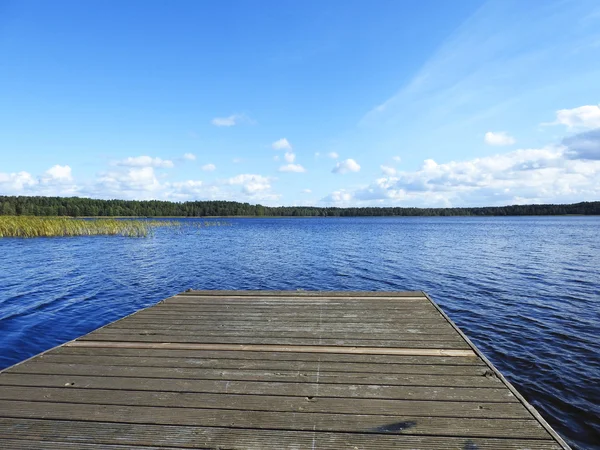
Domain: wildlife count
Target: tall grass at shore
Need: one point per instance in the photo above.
(29, 227)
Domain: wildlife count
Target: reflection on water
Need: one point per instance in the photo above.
(526, 290)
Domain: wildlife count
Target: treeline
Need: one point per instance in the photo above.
(87, 207)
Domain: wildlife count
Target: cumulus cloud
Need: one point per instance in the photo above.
(550, 174)
(292, 168)
(144, 161)
(341, 196)
(387, 170)
(333, 155)
(498, 138)
(139, 183)
(281, 144)
(348, 165)
(57, 180)
(15, 183)
(229, 121)
(583, 117)
(396, 159)
(306, 191)
(209, 167)
(189, 156)
(59, 173)
(289, 157)
(135, 182)
(251, 183)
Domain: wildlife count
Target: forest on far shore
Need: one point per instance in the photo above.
(87, 207)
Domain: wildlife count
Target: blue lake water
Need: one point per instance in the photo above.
(526, 290)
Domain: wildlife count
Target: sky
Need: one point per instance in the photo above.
(324, 103)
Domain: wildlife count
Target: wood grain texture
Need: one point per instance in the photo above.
(295, 376)
(269, 370)
(159, 344)
(247, 402)
(413, 365)
(348, 359)
(376, 391)
(101, 434)
(291, 421)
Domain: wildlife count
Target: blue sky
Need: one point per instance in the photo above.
(404, 103)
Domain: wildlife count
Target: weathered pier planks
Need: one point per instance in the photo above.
(270, 370)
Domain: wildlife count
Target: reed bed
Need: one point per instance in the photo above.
(30, 227)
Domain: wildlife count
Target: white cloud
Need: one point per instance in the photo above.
(292, 168)
(397, 159)
(14, 183)
(289, 157)
(333, 155)
(281, 144)
(140, 183)
(498, 138)
(348, 165)
(306, 191)
(57, 180)
(144, 161)
(237, 160)
(209, 167)
(234, 119)
(135, 182)
(189, 156)
(554, 174)
(387, 170)
(59, 173)
(583, 117)
(341, 197)
(251, 184)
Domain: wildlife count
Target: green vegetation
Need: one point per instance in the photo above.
(28, 226)
(78, 207)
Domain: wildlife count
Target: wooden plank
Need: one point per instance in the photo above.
(395, 295)
(300, 307)
(332, 332)
(278, 326)
(312, 315)
(375, 391)
(325, 366)
(266, 403)
(249, 305)
(27, 444)
(293, 302)
(348, 360)
(292, 421)
(316, 301)
(276, 348)
(356, 322)
(139, 435)
(316, 376)
(268, 332)
(283, 341)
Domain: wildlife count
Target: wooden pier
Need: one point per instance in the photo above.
(270, 370)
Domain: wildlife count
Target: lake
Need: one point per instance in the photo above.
(526, 290)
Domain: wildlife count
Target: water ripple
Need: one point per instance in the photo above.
(525, 290)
